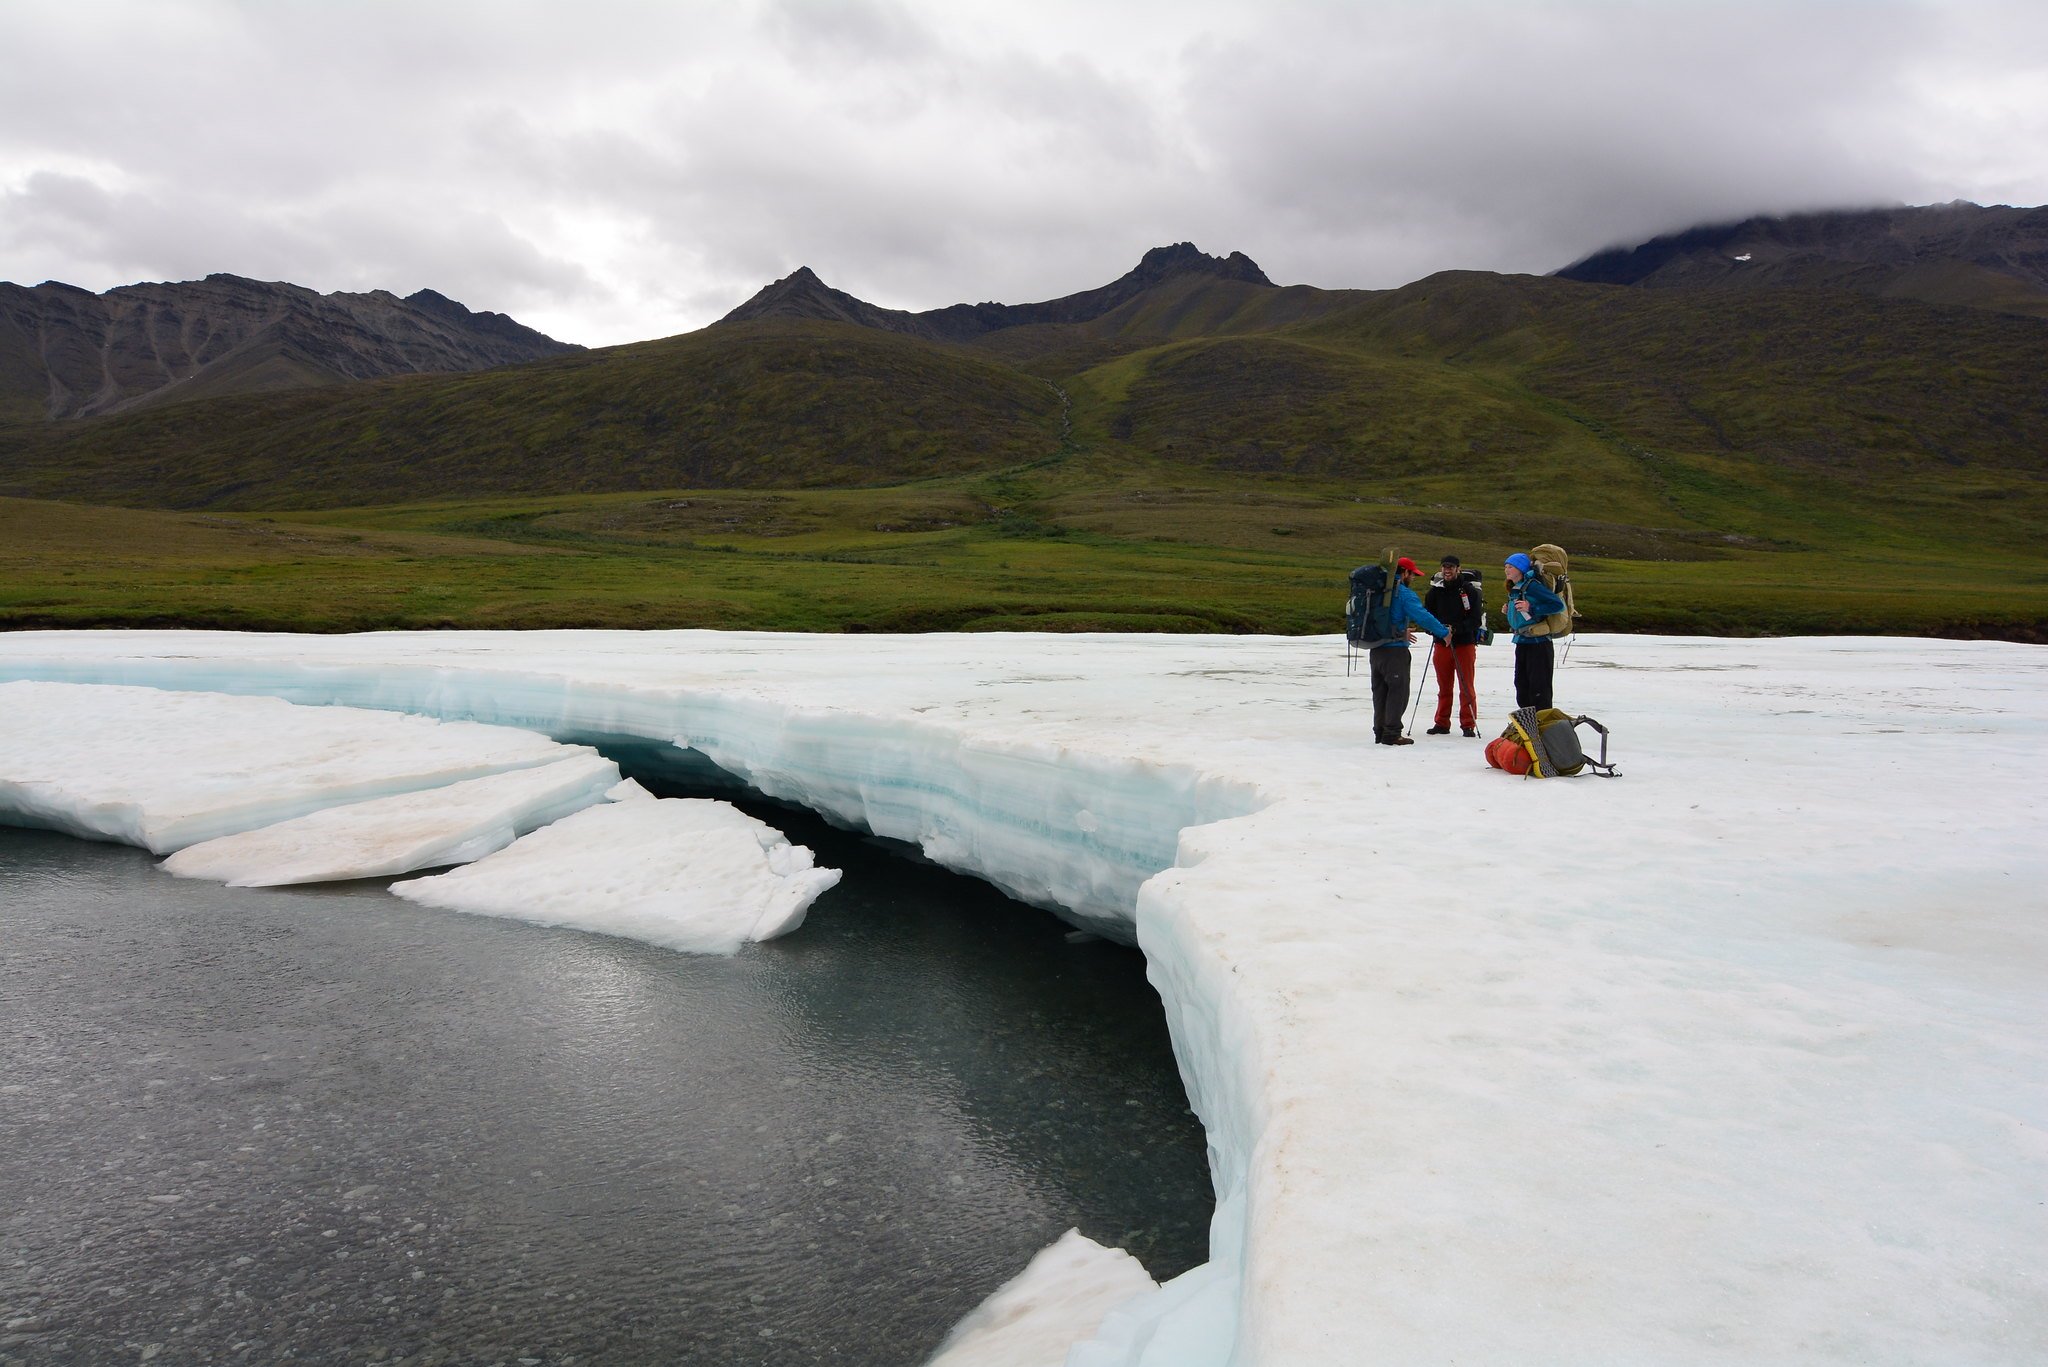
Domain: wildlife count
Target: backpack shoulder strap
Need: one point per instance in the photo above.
(1599, 766)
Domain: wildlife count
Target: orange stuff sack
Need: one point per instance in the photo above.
(1511, 755)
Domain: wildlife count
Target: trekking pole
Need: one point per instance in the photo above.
(1416, 706)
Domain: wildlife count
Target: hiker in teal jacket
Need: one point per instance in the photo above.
(1391, 662)
(1529, 602)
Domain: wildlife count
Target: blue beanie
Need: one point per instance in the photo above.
(1521, 562)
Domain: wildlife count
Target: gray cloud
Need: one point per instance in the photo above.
(1547, 135)
(841, 30)
(627, 170)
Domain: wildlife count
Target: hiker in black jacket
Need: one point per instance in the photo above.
(1454, 599)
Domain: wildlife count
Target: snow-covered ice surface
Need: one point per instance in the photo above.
(1060, 1298)
(148, 767)
(683, 873)
(1738, 1058)
(403, 832)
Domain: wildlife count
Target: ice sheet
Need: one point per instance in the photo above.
(168, 769)
(404, 832)
(1735, 1059)
(1059, 1299)
(683, 873)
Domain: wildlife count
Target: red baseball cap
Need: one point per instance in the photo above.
(1406, 566)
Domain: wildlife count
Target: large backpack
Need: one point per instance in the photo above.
(1553, 567)
(1545, 744)
(1368, 616)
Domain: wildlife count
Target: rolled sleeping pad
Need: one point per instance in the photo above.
(1505, 753)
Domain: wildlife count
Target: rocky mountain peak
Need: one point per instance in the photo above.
(1185, 258)
(801, 294)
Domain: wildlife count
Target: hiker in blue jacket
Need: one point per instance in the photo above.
(1529, 602)
(1391, 662)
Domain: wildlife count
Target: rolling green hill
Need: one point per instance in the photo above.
(759, 405)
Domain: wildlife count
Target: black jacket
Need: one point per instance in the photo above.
(1458, 605)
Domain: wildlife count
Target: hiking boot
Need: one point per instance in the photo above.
(1442, 729)
(1470, 732)
(1398, 740)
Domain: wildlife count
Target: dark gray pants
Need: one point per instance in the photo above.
(1390, 665)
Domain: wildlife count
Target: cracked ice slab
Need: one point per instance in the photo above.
(682, 873)
(1735, 1059)
(979, 781)
(404, 832)
(169, 769)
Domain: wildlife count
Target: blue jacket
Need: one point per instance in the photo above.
(1406, 611)
(1542, 603)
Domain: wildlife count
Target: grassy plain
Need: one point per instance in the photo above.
(1052, 546)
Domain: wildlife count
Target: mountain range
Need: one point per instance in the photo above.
(1812, 359)
(68, 353)
(1950, 254)
(801, 294)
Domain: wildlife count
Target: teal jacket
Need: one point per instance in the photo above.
(1542, 603)
(1406, 611)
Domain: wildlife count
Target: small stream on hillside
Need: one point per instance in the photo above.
(327, 1125)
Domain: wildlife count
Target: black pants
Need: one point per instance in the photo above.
(1390, 666)
(1535, 662)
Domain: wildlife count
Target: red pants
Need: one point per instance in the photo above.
(1461, 659)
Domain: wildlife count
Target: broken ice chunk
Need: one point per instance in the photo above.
(683, 873)
(165, 770)
(399, 834)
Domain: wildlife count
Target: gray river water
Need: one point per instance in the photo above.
(327, 1125)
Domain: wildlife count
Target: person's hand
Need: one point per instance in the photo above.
(1522, 606)
(1411, 635)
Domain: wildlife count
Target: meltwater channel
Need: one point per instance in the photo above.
(328, 1125)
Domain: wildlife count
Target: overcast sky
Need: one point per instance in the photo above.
(609, 172)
